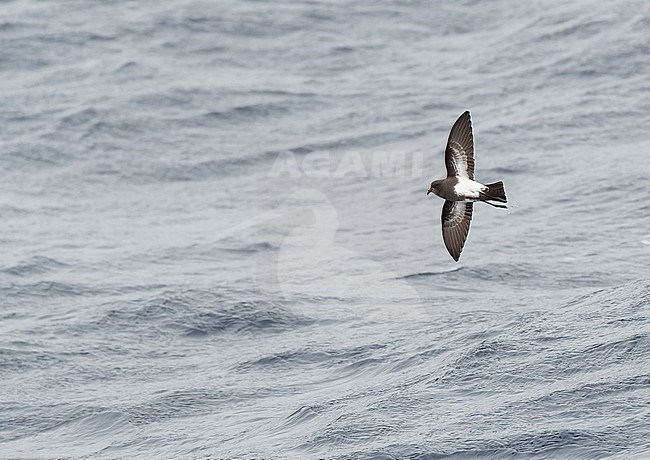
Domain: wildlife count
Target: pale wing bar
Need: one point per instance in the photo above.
(456, 218)
(459, 154)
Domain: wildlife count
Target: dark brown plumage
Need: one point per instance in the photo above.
(456, 217)
(459, 189)
(459, 154)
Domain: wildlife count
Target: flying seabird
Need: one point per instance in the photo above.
(459, 188)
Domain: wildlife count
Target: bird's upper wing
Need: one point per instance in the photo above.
(459, 154)
(456, 217)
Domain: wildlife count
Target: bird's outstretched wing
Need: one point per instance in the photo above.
(459, 154)
(456, 217)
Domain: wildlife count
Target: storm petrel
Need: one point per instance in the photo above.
(459, 188)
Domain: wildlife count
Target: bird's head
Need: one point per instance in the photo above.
(434, 187)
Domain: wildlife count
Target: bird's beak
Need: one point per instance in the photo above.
(428, 191)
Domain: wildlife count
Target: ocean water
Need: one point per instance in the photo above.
(215, 241)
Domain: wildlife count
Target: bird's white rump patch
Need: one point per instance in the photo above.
(469, 188)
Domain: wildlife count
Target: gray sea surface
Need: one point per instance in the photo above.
(215, 239)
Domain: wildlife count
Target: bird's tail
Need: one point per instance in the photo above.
(495, 192)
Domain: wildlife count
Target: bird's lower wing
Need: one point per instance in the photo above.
(456, 217)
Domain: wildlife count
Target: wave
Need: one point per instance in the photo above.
(326, 358)
(34, 265)
(196, 314)
(49, 289)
